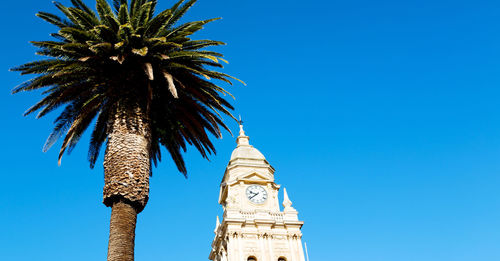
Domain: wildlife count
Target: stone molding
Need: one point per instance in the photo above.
(248, 229)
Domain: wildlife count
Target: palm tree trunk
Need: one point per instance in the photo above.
(126, 176)
(122, 232)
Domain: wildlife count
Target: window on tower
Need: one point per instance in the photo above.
(252, 258)
(281, 259)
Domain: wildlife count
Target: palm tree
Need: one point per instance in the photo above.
(145, 82)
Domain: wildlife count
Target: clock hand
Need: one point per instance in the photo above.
(254, 195)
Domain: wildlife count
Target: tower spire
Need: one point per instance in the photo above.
(242, 132)
(287, 203)
(217, 224)
(242, 138)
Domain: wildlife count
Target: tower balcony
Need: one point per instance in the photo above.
(259, 216)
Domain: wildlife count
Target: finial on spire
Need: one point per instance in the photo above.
(240, 122)
(217, 224)
(242, 138)
(287, 203)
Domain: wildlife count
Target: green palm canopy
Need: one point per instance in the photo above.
(99, 63)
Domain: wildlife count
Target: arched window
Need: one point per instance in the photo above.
(252, 258)
(281, 259)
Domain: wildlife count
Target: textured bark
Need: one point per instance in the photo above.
(126, 176)
(122, 232)
(126, 161)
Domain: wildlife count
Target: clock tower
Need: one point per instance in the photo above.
(253, 226)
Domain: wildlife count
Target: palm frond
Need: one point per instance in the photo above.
(118, 3)
(179, 12)
(99, 135)
(103, 9)
(82, 6)
(53, 19)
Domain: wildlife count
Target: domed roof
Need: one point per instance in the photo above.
(244, 150)
(247, 152)
(246, 160)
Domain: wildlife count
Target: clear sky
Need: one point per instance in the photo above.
(382, 119)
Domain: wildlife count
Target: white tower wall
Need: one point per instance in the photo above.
(249, 228)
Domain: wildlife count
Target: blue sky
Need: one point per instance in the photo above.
(381, 118)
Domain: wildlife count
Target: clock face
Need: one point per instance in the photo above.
(256, 194)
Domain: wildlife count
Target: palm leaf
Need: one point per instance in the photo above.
(103, 9)
(53, 19)
(118, 3)
(82, 6)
